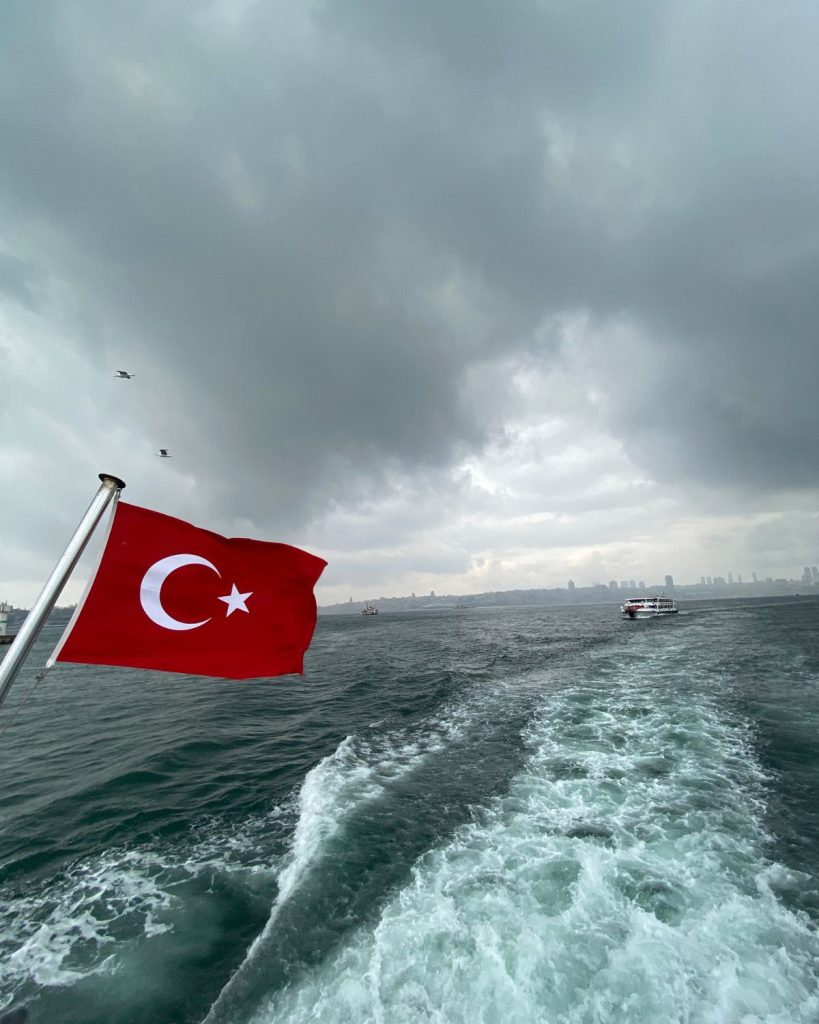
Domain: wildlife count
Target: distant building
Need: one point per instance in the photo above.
(642, 584)
(807, 576)
(702, 581)
(612, 584)
(624, 584)
(669, 581)
(753, 577)
(815, 572)
(631, 584)
(571, 584)
(730, 577)
(709, 580)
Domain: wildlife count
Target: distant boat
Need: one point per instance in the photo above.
(5, 638)
(648, 607)
(369, 609)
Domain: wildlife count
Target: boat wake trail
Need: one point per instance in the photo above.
(64, 940)
(367, 812)
(622, 874)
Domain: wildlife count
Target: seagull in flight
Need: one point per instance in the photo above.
(123, 375)
(163, 454)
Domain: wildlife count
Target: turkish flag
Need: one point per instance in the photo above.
(167, 595)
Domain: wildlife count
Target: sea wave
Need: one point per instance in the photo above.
(624, 876)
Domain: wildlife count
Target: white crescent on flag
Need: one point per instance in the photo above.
(150, 590)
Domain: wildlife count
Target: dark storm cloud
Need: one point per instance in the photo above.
(308, 224)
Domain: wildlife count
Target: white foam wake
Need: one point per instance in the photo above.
(64, 933)
(356, 773)
(90, 918)
(623, 877)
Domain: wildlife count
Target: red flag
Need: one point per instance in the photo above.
(169, 596)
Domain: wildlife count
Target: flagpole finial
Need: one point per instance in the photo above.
(105, 477)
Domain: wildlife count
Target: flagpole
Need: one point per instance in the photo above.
(29, 631)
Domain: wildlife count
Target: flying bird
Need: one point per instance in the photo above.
(163, 454)
(123, 375)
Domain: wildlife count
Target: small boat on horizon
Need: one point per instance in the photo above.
(648, 607)
(369, 609)
(5, 637)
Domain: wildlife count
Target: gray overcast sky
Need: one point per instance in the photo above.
(459, 295)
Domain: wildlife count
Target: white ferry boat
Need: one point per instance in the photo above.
(648, 607)
(369, 609)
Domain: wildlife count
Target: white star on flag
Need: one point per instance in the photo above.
(235, 601)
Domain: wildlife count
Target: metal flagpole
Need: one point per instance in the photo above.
(29, 631)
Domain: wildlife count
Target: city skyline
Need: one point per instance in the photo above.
(730, 582)
(808, 576)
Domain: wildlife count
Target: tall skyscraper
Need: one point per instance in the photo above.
(571, 584)
(669, 581)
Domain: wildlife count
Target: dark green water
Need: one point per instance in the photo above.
(470, 815)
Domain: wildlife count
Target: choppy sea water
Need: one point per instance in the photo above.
(493, 815)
